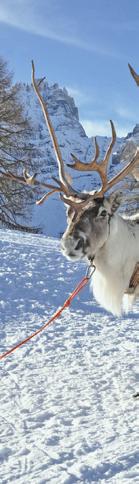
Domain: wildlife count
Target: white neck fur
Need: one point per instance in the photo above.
(115, 263)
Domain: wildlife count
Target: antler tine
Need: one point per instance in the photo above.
(118, 178)
(123, 173)
(79, 165)
(110, 147)
(48, 194)
(31, 181)
(101, 167)
(67, 187)
(97, 150)
(134, 74)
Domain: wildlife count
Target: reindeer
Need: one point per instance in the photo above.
(95, 232)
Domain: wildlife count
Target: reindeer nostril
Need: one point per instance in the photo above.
(79, 244)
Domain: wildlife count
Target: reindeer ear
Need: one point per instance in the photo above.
(115, 201)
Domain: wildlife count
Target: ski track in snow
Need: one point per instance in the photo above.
(67, 412)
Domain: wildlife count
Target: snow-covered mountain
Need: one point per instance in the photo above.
(72, 139)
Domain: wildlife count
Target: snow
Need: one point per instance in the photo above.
(67, 409)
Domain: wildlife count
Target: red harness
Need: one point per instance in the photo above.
(66, 304)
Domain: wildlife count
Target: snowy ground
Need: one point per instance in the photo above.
(67, 412)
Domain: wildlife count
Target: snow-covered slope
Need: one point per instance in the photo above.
(67, 409)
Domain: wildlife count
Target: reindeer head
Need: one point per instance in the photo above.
(89, 220)
(88, 213)
(88, 230)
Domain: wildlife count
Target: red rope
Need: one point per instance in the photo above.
(68, 301)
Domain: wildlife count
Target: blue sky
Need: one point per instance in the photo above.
(84, 46)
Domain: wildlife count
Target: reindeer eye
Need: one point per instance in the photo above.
(103, 213)
(79, 244)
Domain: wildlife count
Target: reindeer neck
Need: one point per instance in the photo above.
(114, 253)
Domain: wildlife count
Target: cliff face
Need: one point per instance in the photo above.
(128, 146)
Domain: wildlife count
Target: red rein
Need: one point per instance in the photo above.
(66, 304)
